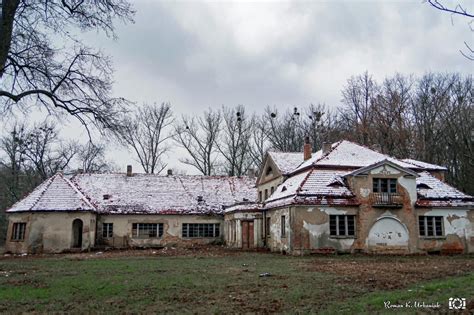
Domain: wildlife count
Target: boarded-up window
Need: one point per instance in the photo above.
(283, 226)
(107, 230)
(430, 226)
(147, 230)
(342, 225)
(201, 230)
(384, 185)
(18, 232)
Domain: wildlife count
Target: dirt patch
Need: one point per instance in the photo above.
(392, 272)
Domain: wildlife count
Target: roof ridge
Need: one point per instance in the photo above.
(81, 195)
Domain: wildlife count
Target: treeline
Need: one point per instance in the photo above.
(429, 118)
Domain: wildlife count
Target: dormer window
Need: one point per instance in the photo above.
(385, 185)
(106, 196)
(423, 186)
(268, 171)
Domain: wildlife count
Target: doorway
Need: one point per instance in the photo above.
(77, 233)
(247, 235)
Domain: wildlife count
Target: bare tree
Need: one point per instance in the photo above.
(234, 144)
(357, 98)
(91, 158)
(71, 78)
(286, 130)
(198, 136)
(461, 11)
(259, 142)
(146, 133)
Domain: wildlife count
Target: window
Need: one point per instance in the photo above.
(272, 190)
(267, 226)
(260, 196)
(107, 230)
(342, 225)
(201, 230)
(18, 233)
(266, 194)
(385, 185)
(283, 226)
(430, 226)
(268, 171)
(147, 230)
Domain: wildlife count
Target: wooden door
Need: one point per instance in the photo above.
(247, 235)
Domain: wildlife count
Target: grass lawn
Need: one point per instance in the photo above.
(227, 281)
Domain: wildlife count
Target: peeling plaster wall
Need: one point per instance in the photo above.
(368, 215)
(275, 241)
(458, 226)
(172, 230)
(50, 231)
(238, 217)
(310, 226)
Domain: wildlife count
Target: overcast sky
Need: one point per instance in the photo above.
(197, 55)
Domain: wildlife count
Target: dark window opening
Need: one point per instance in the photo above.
(147, 230)
(19, 230)
(342, 225)
(201, 230)
(283, 226)
(267, 226)
(384, 185)
(268, 171)
(430, 226)
(107, 230)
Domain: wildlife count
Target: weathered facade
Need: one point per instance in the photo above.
(349, 198)
(244, 226)
(123, 211)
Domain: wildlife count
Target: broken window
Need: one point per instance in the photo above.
(147, 230)
(107, 230)
(342, 225)
(384, 185)
(201, 230)
(18, 232)
(430, 226)
(283, 226)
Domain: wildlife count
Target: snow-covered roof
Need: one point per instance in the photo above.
(434, 193)
(424, 165)
(351, 155)
(156, 194)
(286, 161)
(244, 207)
(315, 186)
(55, 194)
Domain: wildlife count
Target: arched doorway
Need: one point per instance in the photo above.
(77, 233)
(388, 233)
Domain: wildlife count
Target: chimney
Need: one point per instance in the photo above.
(170, 172)
(129, 170)
(377, 147)
(307, 149)
(326, 147)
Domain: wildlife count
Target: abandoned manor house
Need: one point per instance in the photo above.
(343, 198)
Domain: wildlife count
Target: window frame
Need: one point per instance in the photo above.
(108, 230)
(268, 221)
(18, 232)
(434, 226)
(283, 226)
(201, 229)
(389, 181)
(346, 222)
(159, 230)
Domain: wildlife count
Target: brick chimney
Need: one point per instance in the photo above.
(129, 171)
(326, 148)
(307, 149)
(170, 172)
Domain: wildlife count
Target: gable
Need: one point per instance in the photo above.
(269, 171)
(385, 168)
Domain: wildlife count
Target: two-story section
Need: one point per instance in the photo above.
(350, 198)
